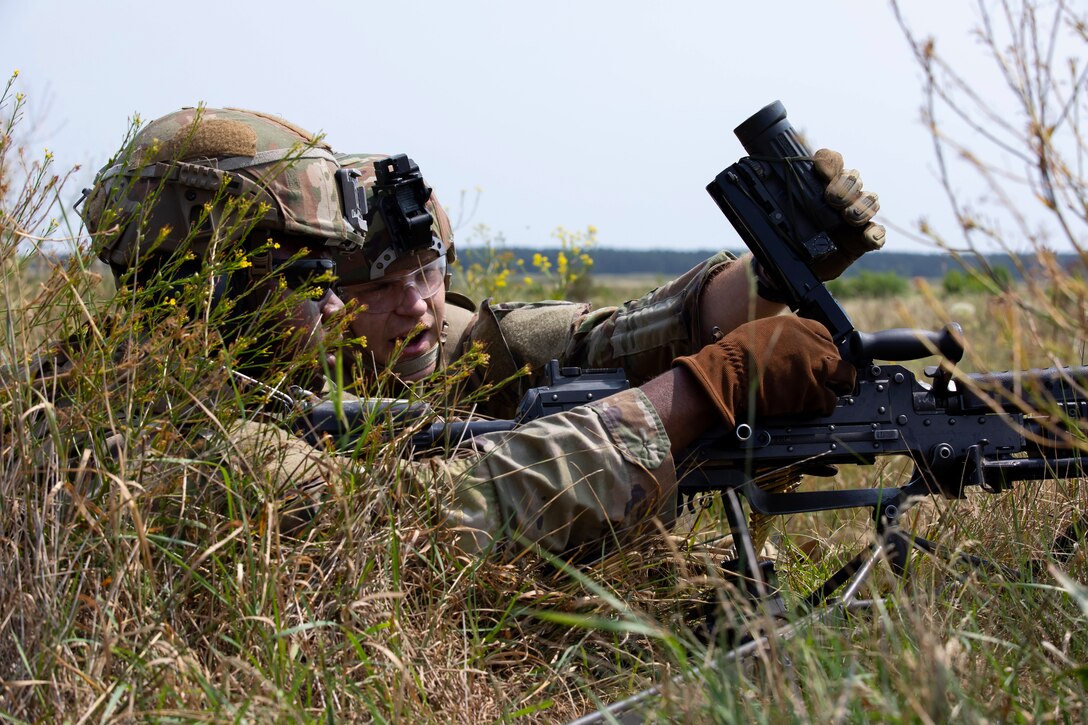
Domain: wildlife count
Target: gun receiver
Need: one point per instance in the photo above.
(567, 387)
(973, 431)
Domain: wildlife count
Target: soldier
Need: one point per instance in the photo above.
(235, 214)
(600, 471)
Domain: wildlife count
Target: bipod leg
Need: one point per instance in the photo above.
(747, 561)
(897, 544)
(937, 551)
(756, 580)
(890, 541)
(822, 593)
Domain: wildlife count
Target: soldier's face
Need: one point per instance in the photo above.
(401, 315)
(301, 299)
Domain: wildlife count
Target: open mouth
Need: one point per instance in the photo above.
(411, 344)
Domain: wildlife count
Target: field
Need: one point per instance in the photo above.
(126, 597)
(145, 574)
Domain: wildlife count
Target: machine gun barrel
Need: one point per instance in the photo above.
(967, 433)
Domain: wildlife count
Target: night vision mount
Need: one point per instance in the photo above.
(398, 209)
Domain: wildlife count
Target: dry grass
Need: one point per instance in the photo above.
(152, 584)
(143, 575)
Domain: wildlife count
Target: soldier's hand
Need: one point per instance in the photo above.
(773, 366)
(844, 192)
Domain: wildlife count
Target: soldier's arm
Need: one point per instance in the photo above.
(591, 477)
(730, 299)
(645, 335)
(597, 473)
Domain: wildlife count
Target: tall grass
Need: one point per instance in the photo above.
(144, 573)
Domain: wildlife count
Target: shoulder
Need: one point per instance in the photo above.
(530, 333)
(460, 319)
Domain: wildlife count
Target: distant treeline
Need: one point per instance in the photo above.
(668, 263)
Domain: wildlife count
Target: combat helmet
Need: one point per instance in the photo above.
(199, 176)
(403, 216)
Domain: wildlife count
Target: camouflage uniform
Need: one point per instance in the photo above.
(593, 474)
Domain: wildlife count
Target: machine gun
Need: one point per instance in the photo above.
(985, 430)
(960, 430)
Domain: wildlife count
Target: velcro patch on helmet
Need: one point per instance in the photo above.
(310, 138)
(209, 138)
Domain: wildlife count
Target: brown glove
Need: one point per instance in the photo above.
(774, 366)
(844, 193)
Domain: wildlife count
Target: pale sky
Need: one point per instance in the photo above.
(615, 114)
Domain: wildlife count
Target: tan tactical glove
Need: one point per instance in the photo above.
(774, 366)
(844, 193)
(294, 471)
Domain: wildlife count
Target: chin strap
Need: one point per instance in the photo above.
(422, 362)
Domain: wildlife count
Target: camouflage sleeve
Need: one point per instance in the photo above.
(589, 477)
(643, 336)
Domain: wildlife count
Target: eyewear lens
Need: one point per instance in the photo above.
(385, 294)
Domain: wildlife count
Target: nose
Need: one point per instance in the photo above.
(331, 305)
(411, 302)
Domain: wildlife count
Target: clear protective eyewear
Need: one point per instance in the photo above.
(384, 295)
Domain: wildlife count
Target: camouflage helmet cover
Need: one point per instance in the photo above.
(353, 266)
(190, 162)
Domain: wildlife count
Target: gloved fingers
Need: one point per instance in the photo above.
(814, 327)
(862, 209)
(828, 163)
(843, 189)
(873, 236)
(840, 376)
(852, 243)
